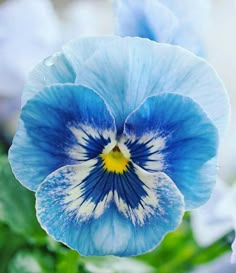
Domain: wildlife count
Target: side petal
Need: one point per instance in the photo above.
(172, 134)
(131, 69)
(64, 124)
(146, 19)
(101, 229)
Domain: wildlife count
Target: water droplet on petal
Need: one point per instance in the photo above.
(51, 60)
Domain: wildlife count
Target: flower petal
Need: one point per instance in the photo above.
(102, 228)
(146, 19)
(62, 67)
(171, 133)
(131, 69)
(64, 124)
(53, 70)
(79, 51)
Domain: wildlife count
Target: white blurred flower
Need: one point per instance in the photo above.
(117, 265)
(88, 18)
(219, 265)
(217, 217)
(29, 31)
(209, 222)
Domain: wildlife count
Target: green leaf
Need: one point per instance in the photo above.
(68, 261)
(31, 262)
(10, 243)
(17, 205)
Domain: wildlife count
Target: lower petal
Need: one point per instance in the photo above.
(102, 228)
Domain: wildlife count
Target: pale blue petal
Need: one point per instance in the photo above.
(54, 70)
(101, 228)
(129, 70)
(146, 19)
(62, 125)
(170, 133)
(78, 51)
(62, 67)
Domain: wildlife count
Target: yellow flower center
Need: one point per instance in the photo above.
(115, 161)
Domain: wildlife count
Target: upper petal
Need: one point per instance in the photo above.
(129, 70)
(55, 69)
(172, 134)
(64, 124)
(62, 67)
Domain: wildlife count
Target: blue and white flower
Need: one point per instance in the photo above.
(165, 21)
(118, 137)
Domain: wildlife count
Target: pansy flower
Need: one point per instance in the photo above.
(118, 137)
(165, 21)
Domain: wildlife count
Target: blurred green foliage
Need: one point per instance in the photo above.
(26, 248)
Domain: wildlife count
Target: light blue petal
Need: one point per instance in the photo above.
(129, 70)
(170, 133)
(100, 230)
(54, 70)
(62, 125)
(78, 51)
(146, 19)
(62, 67)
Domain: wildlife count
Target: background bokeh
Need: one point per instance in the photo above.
(29, 34)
